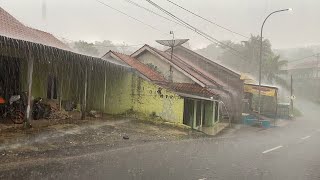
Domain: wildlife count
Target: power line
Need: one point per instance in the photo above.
(178, 23)
(137, 5)
(227, 29)
(130, 16)
(201, 33)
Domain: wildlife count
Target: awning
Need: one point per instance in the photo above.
(265, 90)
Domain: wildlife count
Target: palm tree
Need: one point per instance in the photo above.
(273, 69)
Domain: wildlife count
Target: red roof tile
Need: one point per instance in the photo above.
(186, 88)
(50, 40)
(195, 89)
(11, 27)
(142, 68)
(187, 68)
(204, 58)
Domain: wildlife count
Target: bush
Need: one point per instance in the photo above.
(296, 112)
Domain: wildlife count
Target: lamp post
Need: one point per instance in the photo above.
(260, 62)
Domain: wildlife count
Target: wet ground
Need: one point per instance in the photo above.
(65, 138)
(287, 152)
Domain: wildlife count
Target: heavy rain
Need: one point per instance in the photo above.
(150, 89)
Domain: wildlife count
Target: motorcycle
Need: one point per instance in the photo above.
(14, 109)
(40, 110)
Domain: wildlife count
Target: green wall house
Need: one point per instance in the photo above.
(185, 103)
(37, 63)
(112, 89)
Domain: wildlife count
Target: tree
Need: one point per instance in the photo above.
(86, 48)
(105, 46)
(272, 70)
(245, 56)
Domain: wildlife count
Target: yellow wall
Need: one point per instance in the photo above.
(148, 100)
(124, 91)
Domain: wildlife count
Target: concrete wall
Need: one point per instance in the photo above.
(151, 99)
(163, 67)
(123, 89)
(115, 86)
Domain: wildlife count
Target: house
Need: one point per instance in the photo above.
(180, 102)
(306, 77)
(38, 63)
(186, 66)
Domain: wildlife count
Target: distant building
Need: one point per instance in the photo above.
(306, 77)
(182, 101)
(187, 66)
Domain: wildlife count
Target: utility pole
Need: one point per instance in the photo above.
(291, 95)
(317, 68)
(171, 68)
(260, 59)
(317, 76)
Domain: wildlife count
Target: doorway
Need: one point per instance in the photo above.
(9, 78)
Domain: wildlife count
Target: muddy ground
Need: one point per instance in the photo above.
(65, 138)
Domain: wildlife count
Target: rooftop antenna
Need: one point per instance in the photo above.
(172, 43)
(44, 13)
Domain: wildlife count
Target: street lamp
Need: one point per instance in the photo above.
(260, 63)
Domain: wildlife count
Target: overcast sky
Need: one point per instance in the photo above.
(89, 20)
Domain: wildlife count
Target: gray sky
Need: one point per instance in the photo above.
(88, 20)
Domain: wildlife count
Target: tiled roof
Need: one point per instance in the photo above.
(50, 40)
(186, 88)
(142, 68)
(206, 59)
(187, 68)
(219, 68)
(11, 27)
(194, 89)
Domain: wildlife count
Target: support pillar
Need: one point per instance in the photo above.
(28, 116)
(60, 93)
(194, 123)
(213, 112)
(201, 119)
(105, 90)
(84, 98)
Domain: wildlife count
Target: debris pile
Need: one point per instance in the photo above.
(95, 114)
(56, 113)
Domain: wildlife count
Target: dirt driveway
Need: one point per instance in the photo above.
(63, 138)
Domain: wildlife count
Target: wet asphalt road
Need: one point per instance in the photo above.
(289, 152)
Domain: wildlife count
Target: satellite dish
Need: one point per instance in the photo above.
(172, 43)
